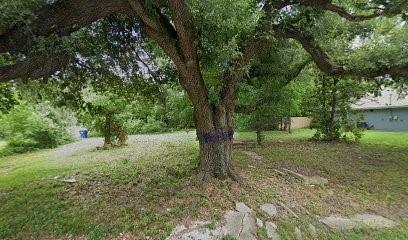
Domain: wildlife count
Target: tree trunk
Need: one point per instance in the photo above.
(215, 160)
(259, 136)
(290, 125)
(281, 127)
(215, 135)
(107, 131)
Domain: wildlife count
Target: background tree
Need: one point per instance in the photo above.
(330, 105)
(102, 113)
(271, 94)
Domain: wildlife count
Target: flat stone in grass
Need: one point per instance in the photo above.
(69, 180)
(253, 155)
(269, 209)
(374, 221)
(197, 231)
(241, 226)
(313, 180)
(242, 208)
(338, 223)
(271, 231)
(316, 180)
(358, 221)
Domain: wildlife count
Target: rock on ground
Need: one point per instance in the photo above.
(314, 180)
(240, 225)
(358, 221)
(259, 223)
(197, 231)
(339, 223)
(271, 231)
(253, 155)
(374, 221)
(69, 180)
(269, 209)
(242, 208)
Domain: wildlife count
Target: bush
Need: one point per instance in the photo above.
(133, 126)
(24, 129)
(152, 125)
(138, 126)
(350, 132)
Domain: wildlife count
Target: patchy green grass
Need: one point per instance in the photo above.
(298, 134)
(386, 139)
(120, 190)
(365, 177)
(370, 137)
(146, 188)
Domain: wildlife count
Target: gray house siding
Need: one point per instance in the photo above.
(390, 119)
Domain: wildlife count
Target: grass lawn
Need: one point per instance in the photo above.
(386, 139)
(146, 188)
(371, 137)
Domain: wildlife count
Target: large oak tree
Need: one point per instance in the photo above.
(174, 25)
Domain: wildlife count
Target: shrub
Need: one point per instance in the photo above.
(331, 107)
(133, 126)
(24, 129)
(152, 125)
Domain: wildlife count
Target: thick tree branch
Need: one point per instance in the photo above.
(327, 5)
(185, 30)
(318, 55)
(291, 75)
(296, 71)
(342, 12)
(34, 67)
(187, 41)
(323, 62)
(178, 43)
(62, 18)
(159, 29)
(233, 76)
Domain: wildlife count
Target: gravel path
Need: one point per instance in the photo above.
(93, 143)
(78, 146)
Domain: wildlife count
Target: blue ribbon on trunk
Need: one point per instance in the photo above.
(214, 137)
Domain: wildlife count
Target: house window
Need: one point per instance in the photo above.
(393, 118)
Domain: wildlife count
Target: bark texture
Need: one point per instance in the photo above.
(216, 141)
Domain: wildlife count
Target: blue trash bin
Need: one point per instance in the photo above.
(83, 133)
